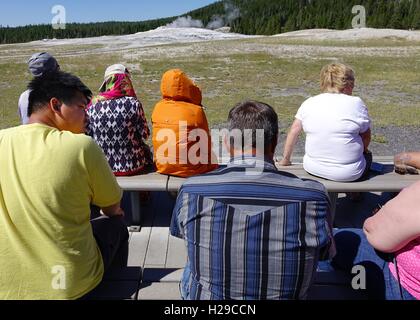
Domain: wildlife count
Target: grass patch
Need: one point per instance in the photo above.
(378, 138)
(235, 70)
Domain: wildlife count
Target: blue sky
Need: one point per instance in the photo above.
(20, 12)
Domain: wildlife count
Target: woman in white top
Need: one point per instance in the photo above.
(337, 128)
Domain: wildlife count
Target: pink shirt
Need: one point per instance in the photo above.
(408, 263)
(396, 228)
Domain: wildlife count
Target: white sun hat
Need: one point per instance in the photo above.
(110, 71)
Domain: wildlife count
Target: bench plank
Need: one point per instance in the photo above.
(158, 247)
(159, 291)
(177, 253)
(147, 182)
(389, 181)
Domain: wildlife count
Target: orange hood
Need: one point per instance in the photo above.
(177, 86)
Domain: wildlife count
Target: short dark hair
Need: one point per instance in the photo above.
(60, 85)
(253, 115)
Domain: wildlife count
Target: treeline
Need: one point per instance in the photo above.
(77, 30)
(268, 17)
(256, 17)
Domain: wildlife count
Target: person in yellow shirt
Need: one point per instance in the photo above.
(50, 174)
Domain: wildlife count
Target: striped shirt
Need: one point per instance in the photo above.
(251, 233)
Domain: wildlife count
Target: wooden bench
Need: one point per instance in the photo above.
(387, 181)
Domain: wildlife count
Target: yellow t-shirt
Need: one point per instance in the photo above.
(48, 178)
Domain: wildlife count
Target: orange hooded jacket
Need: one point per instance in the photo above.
(174, 118)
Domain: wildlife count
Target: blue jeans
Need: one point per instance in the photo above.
(354, 249)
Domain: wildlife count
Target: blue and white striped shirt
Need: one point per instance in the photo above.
(251, 234)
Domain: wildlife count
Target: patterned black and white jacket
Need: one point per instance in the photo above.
(120, 127)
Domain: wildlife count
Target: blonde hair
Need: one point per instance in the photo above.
(336, 77)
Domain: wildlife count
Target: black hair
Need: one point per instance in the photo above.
(253, 116)
(60, 85)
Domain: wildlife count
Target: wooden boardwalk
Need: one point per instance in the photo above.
(155, 259)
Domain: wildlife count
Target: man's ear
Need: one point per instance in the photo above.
(55, 105)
